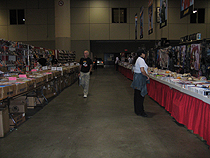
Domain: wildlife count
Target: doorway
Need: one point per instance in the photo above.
(109, 59)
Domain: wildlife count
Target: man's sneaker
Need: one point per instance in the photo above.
(85, 96)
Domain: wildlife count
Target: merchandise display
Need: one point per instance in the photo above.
(19, 57)
(185, 97)
(25, 83)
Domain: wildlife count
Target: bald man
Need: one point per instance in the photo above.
(85, 68)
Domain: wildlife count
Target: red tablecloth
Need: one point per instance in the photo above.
(187, 110)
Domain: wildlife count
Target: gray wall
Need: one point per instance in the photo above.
(39, 28)
(91, 20)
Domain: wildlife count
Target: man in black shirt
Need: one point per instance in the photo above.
(85, 69)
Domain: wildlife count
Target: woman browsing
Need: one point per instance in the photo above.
(140, 79)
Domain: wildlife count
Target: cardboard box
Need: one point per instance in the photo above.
(39, 81)
(4, 121)
(62, 84)
(39, 101)
(50, 77)
(18, 105)
(21, 87)
(16, 119)
(34, 101)
(44, 78)
(57, 73)
(11, 90)
(3, 92)
(30, 85)
(31, 101)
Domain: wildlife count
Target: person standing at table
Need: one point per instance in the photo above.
(42, 61)
(140, 79)
(54, 61)
(85, 68)
(116, 62)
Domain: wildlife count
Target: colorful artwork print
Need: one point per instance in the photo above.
(141, 22)
(182, 55)
(150, 17)
(195, 56)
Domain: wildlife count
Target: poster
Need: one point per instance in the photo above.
(136, 26)
(187, 7)
(177, 55)
(150, 17)
(163, 12)
(182, 56)
(188, 50)
(158, 58)
(164, 58)
(195, 56)
(141, 22)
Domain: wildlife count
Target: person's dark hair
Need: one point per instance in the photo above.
(139, 52)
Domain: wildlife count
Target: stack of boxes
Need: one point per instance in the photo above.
(15, 87)
(4, 121)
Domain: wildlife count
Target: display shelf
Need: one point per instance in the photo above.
(66, 57)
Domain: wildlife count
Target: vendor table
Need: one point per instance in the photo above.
(188, 108)
(47, 86)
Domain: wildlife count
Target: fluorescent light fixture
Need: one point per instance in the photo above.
(194, 11)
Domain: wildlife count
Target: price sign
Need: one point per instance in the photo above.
(12, 78)
(22, 76)
(53, 68)
(44, 68)
(59, 69)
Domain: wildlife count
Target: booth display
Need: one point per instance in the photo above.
(25, 83)
(185, 97)
(180, 82)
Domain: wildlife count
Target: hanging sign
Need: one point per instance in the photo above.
(141, 21)
(150, 17)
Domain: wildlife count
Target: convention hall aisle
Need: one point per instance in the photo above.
(101, 126)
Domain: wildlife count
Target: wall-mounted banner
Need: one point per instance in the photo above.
(150, 17)
(141, 21)
(136, 18)
(163, 12)
(187, 7)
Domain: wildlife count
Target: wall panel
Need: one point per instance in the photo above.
(99, 15)
(4, 32)
(80, 15)
(99, 31)
(36, 16)
(80, 31)
(37, 32)
(17, 33)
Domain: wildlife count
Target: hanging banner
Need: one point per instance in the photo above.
(187, 7)
(150, 17)
(136, 26)
(141, 21)
(163, 13)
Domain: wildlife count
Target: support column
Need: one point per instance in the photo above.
(62, 25)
